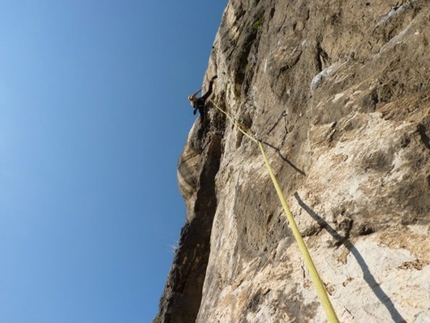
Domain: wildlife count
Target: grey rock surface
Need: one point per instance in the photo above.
(339, 92)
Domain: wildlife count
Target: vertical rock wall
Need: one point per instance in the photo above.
(339, 92)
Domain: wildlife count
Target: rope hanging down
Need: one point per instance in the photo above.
(321, 291)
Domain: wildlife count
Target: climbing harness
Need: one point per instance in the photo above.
(319, 286)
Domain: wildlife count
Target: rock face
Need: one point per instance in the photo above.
(339, 92)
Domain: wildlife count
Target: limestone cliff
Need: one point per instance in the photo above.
(339, 92)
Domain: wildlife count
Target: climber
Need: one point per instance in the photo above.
(199, 103)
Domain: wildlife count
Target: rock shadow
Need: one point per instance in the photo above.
(367, 274)
(285, 159)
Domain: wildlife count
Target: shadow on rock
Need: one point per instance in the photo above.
(285, 159)
(367, 275)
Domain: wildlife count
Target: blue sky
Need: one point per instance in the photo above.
(93, 118)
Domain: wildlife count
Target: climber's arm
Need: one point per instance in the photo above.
(193, 96)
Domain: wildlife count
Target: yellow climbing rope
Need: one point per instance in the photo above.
(321, 291)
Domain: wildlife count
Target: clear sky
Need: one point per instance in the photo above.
(93, 118)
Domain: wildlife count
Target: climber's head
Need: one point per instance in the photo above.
(192, 99)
